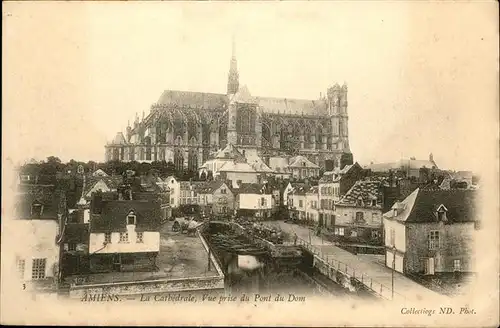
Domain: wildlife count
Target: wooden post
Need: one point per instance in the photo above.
(209, 253)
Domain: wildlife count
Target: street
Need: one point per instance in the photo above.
(368, 265)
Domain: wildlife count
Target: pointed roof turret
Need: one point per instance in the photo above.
(233, 79)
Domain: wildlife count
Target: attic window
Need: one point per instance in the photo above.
(441, 212)
(374, 202)
(36, 209)
(131, 218)
(395, 212)
(360, 201)
(303, 163)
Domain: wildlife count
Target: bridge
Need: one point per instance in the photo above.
(355, 271)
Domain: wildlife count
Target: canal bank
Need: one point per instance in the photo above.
(254, 265)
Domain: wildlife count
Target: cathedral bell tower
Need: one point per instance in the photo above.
(233, 83)
(232, 88)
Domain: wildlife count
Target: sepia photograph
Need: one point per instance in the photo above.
(250, 163)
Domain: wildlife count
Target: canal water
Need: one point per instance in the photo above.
(250, 268)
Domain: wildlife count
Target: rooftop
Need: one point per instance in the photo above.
(113, 217)
(180, 256)
(365, 191)
(422, 204)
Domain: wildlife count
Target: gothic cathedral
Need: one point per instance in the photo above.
(186, 128)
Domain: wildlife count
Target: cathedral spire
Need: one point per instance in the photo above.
(233, 79)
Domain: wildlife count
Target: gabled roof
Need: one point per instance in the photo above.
(252, 188)
(237, 167)
(421, 206)
(259, 166)
(230, 152)
(364, 190)
(243, 96)
(209, 187)
(299, 189)
(461, 206)
(337, 174)
(100, 172)
(114, 216)
(111, 182)
(192, 99)
(312, 190)
(119, 139)
(302, 162)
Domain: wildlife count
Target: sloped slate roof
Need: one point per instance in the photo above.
(47, 196)
(292, 106)
(252, 188)
(297, 161)
(77, 233)
(111, 182)
(312, 190)
(230, 152)
(100, 172)
(193, 99)
(209, 187)
(300, 189)
(114, 216)
(267, 104)
(367, 190)
(237, 167)
(461, 205)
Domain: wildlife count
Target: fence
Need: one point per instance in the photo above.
(358, 277)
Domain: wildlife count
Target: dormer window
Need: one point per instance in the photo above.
(441, 212)
(36, 209)
(395, 212)
(131, 218)
(374, 202)
(360, 201)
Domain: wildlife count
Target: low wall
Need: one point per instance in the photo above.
(145, 287)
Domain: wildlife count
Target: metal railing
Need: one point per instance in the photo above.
(339, 266)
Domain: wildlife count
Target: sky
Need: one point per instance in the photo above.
(422, 77)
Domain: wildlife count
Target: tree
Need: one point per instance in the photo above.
(53, 160)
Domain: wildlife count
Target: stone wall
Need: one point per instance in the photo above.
(153, 286)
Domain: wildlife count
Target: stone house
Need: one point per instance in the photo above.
(39, 213)
(332, 186)
(312, 204)
(254, 200)
(432, 232)
(215, 197)
(358, 215)
(302, 168)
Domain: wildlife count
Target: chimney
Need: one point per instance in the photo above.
(97, 203)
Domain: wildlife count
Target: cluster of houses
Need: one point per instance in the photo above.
(422, 219)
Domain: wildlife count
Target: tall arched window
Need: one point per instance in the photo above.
(179, 159)
(147, 140)
(193, 160)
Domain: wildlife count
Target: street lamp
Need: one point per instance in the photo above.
(393, 267)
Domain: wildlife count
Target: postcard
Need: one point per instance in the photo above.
(294, 163)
